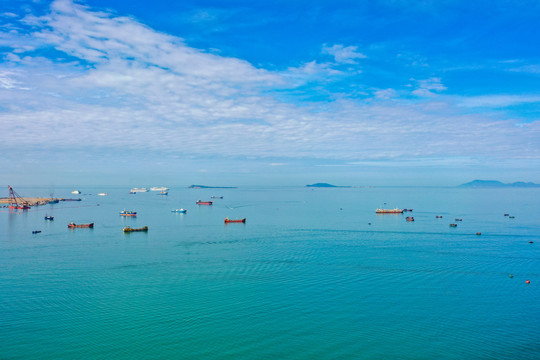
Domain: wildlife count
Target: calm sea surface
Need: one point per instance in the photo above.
(313, 274)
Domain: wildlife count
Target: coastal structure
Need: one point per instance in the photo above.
(17, 202)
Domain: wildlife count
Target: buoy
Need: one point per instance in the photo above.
(527, 281)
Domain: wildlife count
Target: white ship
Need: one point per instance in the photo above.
(76, 192)
(157, 188)
(135, 190)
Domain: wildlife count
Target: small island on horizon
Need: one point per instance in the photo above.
(210, 187)
(326, 185)
(498, 184)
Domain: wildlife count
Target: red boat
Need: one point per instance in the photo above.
(199, 202)
(73, 225)
(227, 220)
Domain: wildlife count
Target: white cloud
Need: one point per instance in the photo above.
(497, 101)
(128, 86)
(429, 87)
(343, 54)
(385, 94)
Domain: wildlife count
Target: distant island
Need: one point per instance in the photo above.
(326, 185)
(497, 184)
(210, 187)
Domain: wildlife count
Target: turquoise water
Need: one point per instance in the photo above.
(313, 274)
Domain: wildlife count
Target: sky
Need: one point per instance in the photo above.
(281, 92)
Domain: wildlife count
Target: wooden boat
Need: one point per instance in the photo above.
(227, 221)
(36, 231)
(200, 202)
(72, 225)
(453, 225)
(128, 213)
(47, 217)
(438, 216)
(409, 218)
(130, 229)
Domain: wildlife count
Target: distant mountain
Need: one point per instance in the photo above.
(210, 187)
(497, 184)
(326, 185)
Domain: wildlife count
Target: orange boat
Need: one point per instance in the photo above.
(73, 225)
(227, 220)
(199, 202)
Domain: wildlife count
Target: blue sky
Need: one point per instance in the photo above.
(269, 92)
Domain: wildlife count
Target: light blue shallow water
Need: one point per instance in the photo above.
(307, 277)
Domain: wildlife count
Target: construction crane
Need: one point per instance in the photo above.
(17, 202)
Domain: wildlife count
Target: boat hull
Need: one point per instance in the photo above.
(228, 221)
(73, 226)
(389, 211)
(129, 229)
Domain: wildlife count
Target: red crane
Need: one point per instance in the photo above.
(17, 202)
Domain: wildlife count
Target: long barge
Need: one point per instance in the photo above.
(389, 211)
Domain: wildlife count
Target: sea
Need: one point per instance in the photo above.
(314, 273)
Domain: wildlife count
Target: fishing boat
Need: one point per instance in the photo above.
(36, 231)
(389, 211)
(159, 188)
(453, 225)
(200, 202)
(130, 229)
(76, 192)
(216, 197)
(102, 194)
(47, 217)
(164, 193)
(136, 190)
(227, 220)
(54, 201)
(409, 218)
(458, 219)
(438, 216)
(180, 211)
(72, 225)
(128, 213)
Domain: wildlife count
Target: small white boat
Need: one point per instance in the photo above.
(75, 192)
(102, 194)
(181, 211)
